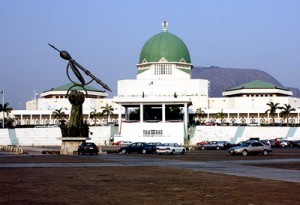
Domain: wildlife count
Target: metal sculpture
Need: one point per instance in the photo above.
(74, 66)
(76, 127)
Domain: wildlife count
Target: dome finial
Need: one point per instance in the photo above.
(165, 26)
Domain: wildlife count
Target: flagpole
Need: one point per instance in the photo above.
(3, 108)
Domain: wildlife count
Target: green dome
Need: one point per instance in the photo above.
(165, 45)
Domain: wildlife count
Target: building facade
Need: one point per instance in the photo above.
(143, 106)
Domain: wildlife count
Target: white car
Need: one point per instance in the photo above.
(170, 148)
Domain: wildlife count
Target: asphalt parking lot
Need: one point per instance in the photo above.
(214, 161)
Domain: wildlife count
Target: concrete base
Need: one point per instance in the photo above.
(69, 145)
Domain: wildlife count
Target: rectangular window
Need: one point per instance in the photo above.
(152, 133)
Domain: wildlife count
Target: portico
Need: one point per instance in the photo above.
(158, 106)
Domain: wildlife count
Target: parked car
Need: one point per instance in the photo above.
(87, 147)
(297, 143)
(266, 142)
(170, 148)
(286, 143)
(278, 143)
(251, 147)
(122, 143)
(155, 143)
(202, 142)
(138, 147)
(213, 145)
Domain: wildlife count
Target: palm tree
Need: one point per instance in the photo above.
(107, 110)
(200, 114)
(221, 115)
(94, 115)
(59, 114)
(272, 110)
(285, 113)
(5, 109)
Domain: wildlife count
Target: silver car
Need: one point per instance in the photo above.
(250, 147)
(170, 148)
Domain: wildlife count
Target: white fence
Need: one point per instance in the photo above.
(150, 132)
(47, 136)
(237, 134)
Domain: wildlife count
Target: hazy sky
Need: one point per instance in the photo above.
(106, 37)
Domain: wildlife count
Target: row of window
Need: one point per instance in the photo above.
(163, 69)
(152, 133)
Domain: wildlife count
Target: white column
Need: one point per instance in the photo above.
(120, 117)
(141, 112)
(185, 116)
(126, 113)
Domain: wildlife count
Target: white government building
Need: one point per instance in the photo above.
(163, 82)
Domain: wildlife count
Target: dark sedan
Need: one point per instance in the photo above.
(88, 147)
(138, 147)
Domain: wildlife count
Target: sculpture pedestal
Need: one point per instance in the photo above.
(70, 144)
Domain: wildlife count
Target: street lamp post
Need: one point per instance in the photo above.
(2, 92)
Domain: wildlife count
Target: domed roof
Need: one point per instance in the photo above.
(165, 45)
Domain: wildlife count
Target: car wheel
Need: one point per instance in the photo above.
(245, 153)
(203, 148)
(183, 151)
(123, 151)
(144, 151)
(217, 147)
(265, 152)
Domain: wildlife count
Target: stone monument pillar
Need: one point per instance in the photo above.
(76, 131)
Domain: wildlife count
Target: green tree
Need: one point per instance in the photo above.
(94, 115)
(272, 110)
(200, 114)
(286, 111)
(221, 115)
(6, 109)
(59, 114)
(107, 110)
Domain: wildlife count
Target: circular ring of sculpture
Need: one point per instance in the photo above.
(79, 85)
(77, 74)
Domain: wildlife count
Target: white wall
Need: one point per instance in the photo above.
(236, 134)
(47, 136)
(172, 132)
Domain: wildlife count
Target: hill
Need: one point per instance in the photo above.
(225, 78)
